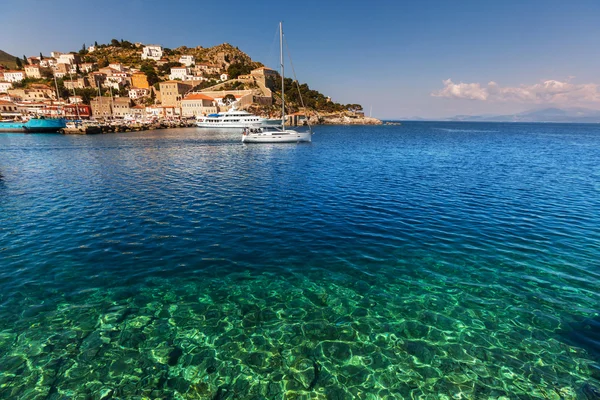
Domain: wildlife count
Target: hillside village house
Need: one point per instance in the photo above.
(14, 76)
(206, 69)
(152, 52)
(61, 70)
(138, 93)
(121, 107)
(78, 83)
(8, 109)
(117, 67)
(32, 94)
(196, 104)
(77, 111)
(86, 67)
(101, 107)
(187, 60)
(172, 92)
(4, 86)
(33, 71)
(139, 80)
(48, 63)
(181, 73)
(70, 59)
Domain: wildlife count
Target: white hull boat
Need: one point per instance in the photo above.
(276, 134)
(233, 118)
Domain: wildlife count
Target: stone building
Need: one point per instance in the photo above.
(171, 93)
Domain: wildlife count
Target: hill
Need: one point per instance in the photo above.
(7, 59)
(551, 114)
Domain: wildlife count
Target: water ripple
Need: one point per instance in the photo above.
(428, 259)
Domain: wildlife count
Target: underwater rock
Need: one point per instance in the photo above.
(173, 356)
(584, 334)
(590, 392)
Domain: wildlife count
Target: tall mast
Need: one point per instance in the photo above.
(57, 95)
(75, 95)
(282, 75)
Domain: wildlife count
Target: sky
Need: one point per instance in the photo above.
(398, 59)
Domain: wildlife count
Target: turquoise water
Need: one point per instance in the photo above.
(421, 261)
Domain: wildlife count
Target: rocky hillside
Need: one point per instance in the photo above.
(7, 60)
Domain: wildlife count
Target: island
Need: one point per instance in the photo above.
(137, 83)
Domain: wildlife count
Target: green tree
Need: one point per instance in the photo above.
(19, 63)
(95, 44)
(47, 73)
(25, 60)
(103, 62)
(151, 75)
(228, 99)
(41, 56)
(238, 69)
(115, 43)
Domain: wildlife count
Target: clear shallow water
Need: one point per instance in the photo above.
(415, 261)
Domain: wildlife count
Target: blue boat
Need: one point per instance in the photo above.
(35, 125)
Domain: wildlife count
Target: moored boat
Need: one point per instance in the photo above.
(232, 118)
(277, 134)
(34, 125)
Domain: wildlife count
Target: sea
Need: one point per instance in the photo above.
(429, 260)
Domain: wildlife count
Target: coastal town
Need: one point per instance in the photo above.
(135, 83)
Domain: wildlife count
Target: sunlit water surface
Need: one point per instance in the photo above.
(427, 260)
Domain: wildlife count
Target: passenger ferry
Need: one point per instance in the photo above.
(233, 118)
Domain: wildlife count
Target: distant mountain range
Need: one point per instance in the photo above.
(7, 59)
(575, 114)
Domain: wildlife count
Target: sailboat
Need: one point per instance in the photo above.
(276, 134)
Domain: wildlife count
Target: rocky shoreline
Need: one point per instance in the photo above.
(342, 119)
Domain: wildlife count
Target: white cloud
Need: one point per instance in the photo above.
(550, 91)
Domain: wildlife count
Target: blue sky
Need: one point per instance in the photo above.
(403, 59)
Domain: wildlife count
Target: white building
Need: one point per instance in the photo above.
(4, 86)
(75, 100)
(187, 60)
(196, 104)
(117, 66)
(91, 49)
(181, 73)
(137, 93)
(70, 59)
(152, 52)
(48, 62)
(55, 54)
(224, 77)
(14, 76)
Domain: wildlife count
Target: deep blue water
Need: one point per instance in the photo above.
(456, 259)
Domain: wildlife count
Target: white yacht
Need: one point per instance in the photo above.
(233, 118)
(276, 134)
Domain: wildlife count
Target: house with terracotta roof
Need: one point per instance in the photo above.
(195, 104)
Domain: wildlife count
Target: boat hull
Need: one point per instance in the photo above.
(34, 125)
(277, 137)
